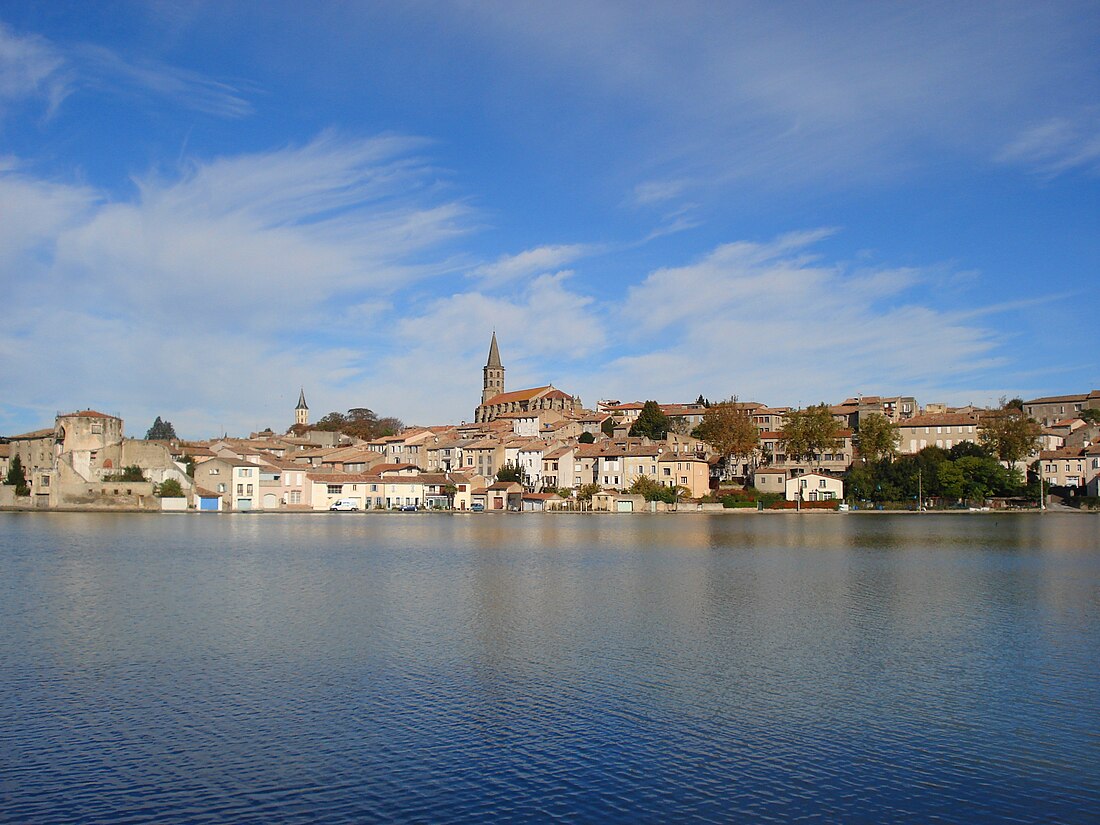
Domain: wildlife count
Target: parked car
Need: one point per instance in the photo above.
(345, 504)
(409, 508)
(477, 508)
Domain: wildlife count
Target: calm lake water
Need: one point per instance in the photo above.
(414, 667)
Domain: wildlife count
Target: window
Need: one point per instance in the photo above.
(667, 471)
(803, 483)
(214, 471)
(240, 489)
(295, 496)
(221, 488)
(683, 479)
(335, 489)
(249, 489)
(821, 483)
(45, 481)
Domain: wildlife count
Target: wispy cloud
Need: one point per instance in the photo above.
(542, 259)
(776, 322)
(213, 288)
(1058, 145)
(106, 70)
(32, 67)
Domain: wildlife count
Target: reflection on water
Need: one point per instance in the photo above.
(624, 668)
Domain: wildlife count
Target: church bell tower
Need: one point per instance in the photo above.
(493, 381)
(301, 412)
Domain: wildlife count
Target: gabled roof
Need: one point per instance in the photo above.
(518, 395)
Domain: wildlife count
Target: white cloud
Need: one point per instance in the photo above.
(33, 67)
(1058, 145)
(222, 289)
(30, 67)
(772, 322)
(508, 268)
(783, 94)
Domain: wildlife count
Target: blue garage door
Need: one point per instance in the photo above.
(208, 503)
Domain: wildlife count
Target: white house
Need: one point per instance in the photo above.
(814, 487)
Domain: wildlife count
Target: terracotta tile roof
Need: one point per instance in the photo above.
(1064, 452)
(1059, 399)
(32, 435)
(518, 395)
(88, 414)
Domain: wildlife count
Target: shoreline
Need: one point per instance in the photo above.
(733, 511)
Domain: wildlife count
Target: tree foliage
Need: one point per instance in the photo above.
(607, 426)
(17, 477)
(729, 429)
(131, 472)
(586, 491)
(360, 422)
(1008, 433)
(811, 432)
(161, 431)
(1090, 415)
(969, 475)
(654, 490)
(586, 438)
(512, 472)
(877, 438)
(651, 423)
(170, 488)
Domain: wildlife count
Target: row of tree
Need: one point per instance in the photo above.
(359, 422)
(966, 472)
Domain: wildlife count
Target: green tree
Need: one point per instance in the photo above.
(586, 491)
(161, 431)
(1090, 415)
(654, 490)
(170, 488)
(651, 423)
(811, 432)
(334, 422)
(131, 472)
(607, 426)
(1008, 433)
(512, 472)
(877, 437)
(17, 477)
(586, 438)
(729, 429)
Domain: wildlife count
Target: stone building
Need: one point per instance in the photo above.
(496, 402)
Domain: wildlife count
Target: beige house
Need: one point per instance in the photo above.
(1071, 466)
(1054, 408)
(684, 471)
(770, 480)
(943, 430)
(814, 487)
(237, 481)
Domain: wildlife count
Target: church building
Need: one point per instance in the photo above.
(496, 402)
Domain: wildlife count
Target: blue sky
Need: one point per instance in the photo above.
(205, 206)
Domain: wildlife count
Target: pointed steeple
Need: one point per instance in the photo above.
(492, 383)
(494, 353)
(301, 412)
